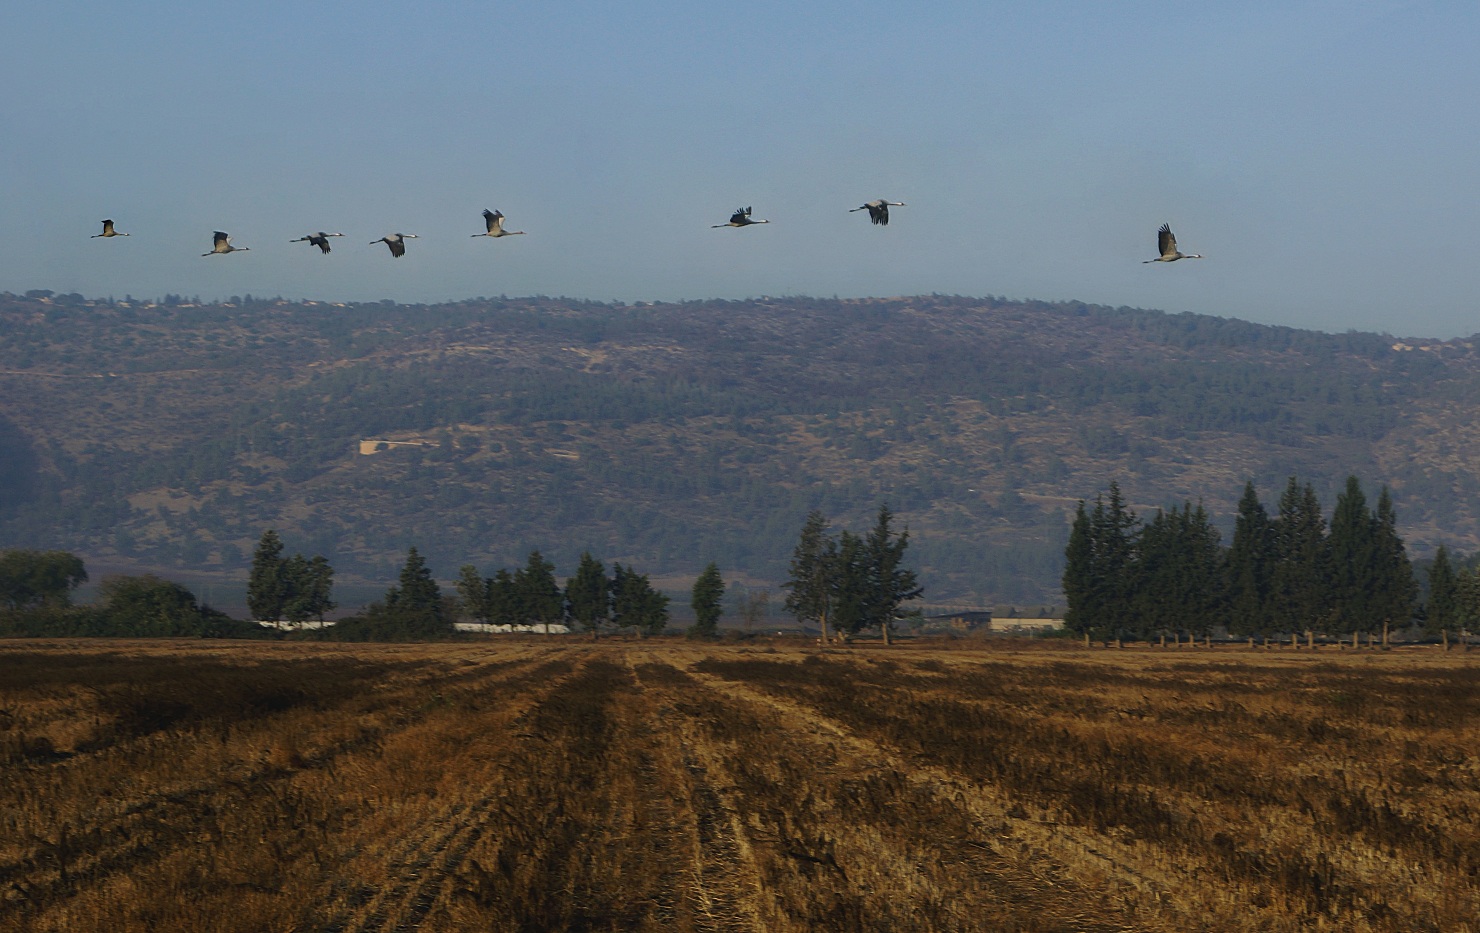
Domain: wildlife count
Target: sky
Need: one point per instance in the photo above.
(1322, 155)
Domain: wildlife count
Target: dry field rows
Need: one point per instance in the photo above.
(664, 786)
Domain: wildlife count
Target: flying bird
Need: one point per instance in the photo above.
(223, 245)
(494, 220)
(396, 241)
(107, 231)
(741, 218)
(1167, 245)
(878, 211)
(320, 239)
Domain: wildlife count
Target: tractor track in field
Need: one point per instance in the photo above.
(1043, 872)
(722, 868)
(149, 830)
(428, 858)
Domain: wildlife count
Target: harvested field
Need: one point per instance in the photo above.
(553, 785)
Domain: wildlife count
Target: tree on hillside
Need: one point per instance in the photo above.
(707, 600)
(36, 579)
(588, 595)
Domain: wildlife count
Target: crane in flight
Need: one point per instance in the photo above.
(320, 239)
(494, 221)
(878, 210)
(1166, 244)
(741, 218)
(223, 245)
(396, 241)
(107, 231)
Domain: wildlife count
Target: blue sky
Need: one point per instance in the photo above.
(1322, 154)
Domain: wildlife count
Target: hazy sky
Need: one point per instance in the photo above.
(1323, 155)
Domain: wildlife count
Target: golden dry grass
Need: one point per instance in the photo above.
(666, 786)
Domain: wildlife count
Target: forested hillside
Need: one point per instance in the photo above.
(170, 435)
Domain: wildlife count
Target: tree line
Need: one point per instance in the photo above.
(851, 582)
(592, 601)
(36, 599)
(1290, 572)
(847, 583)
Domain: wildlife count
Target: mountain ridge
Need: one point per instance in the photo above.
(171, 434)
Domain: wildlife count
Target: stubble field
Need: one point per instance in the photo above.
(665, 786)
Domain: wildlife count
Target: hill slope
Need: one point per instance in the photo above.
(172, 434)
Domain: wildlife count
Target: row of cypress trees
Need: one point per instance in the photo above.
(592, 600)
(1286, 573)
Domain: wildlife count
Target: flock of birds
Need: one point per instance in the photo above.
(493, 221)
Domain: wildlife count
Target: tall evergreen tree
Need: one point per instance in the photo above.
(1440, 615)
(412, 609)
(890, 585)
(635, 604)
(306, 586)
(266, 588)
(540, 598)
(1178, 575)
(707, 600)
(417, 591)
(1467, 599)
(588, 595)
(1155, 584)
(1078, 578)
(1352, 569)
(810, 585)
(1100, 568)
(1250, 568)
(1396, 590)
(293, 589)
(1299, 582)
(473, 591)
(1115, 532)
(848, 581)
(319, 582)
(504, 604)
